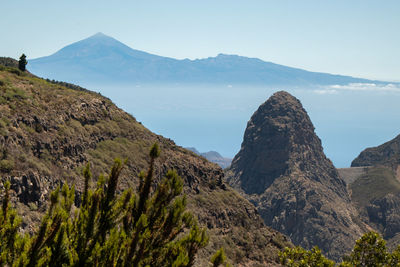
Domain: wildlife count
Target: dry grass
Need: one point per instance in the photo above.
(375, 183)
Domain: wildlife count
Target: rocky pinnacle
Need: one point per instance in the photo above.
(282, 169)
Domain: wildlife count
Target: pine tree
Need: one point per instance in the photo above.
(22, 62)
(11, 241)
(143, 228)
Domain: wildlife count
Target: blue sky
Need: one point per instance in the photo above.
(351, 37)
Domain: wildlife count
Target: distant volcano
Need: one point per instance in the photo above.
(101, 58)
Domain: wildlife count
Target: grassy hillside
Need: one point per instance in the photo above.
(375, 183)
(49, 131)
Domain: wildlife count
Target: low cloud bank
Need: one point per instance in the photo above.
(370, 87)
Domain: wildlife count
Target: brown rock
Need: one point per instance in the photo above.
(387, 154)
(282, 169)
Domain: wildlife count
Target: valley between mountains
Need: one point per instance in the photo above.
(280, 190)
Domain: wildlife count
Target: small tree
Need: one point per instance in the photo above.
(369, 250)
(22, 62)
(219, 258)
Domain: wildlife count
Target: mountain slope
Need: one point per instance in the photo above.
(213, 156)
(100, 58)
(376, 192)
(48, 132)
(282, 169)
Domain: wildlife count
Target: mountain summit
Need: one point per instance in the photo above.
(101, 58)
(98, 46)
(282, 169)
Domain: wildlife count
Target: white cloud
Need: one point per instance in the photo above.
(365, 87)
(326, 92)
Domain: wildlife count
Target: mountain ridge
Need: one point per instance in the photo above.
(103, 58)
(387, 154)
(213, 156)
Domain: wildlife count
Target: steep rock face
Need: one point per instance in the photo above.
(385, 213)
(282, 169)
(48, 132)
(387, 154)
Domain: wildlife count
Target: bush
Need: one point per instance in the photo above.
(299, 257)
(6, 165)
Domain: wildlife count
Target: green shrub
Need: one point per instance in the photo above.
(218, 258)
(6, 165)
(13, 92)
(299, 257)
(369, 250)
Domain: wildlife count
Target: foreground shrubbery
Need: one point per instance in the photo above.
(142, 228)
(370, 250)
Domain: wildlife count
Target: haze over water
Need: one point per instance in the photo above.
(347, 119)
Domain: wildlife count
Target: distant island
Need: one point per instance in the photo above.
(101, 58)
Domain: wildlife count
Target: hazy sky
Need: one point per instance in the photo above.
(351, 37)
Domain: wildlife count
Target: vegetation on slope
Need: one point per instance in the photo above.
(8, 62)
(375, 183)
(143, 228)
(370, 250)
(49, 131)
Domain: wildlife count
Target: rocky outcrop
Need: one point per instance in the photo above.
(387, 154)
(48, 132)
(8, 62)
(282, 169)
(385, 214)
